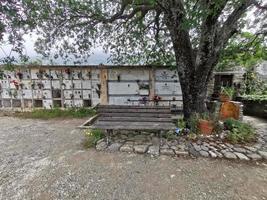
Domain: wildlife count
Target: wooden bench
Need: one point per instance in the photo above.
(138, 118)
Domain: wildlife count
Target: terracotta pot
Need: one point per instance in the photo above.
(205, 127)
(224, 98)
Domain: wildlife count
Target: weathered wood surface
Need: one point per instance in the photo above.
(134, 118)
(132, 114)
(132, 107)
(114, 110)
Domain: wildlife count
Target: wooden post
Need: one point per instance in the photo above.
(104, 86)
(151, 83)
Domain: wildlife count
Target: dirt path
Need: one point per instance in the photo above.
(45, 160)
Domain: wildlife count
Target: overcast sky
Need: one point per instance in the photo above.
(97, 58)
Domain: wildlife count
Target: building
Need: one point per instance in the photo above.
(28, 87)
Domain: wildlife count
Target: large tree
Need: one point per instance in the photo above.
(191, 34)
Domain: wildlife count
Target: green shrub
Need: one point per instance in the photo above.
(240, 132)
(181, 123)
(92, 136)
(57, 113)
(255, 97)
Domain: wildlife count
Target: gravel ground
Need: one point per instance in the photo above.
(46, 160)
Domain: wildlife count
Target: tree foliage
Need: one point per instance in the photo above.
(245, 50)
(191, 34)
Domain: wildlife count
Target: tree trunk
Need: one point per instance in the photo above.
(194, 98)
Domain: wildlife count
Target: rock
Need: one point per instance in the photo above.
(218, 154)
(165, 146)
(199, 142)
(263, 154)
(241, 156)
(204, 153)
(153, 150)
(193, 151)
(254, 156)
(212, 154)
(251, 148)
(126, 148)
(114, 147)
(174, 148)
(197, 147)
(204, 148)
(229, 155)
(181, 147)
(101, 146)
(168, 152)
(140, 148)
(240, 150)
(181, 153)
(229, 145)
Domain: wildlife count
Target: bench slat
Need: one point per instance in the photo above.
(135, 119)
(107, 110)
(155, 115)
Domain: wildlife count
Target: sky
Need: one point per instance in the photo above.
(99, 56)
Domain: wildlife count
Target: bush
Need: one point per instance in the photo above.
(255, 97)
(92, 136)
(240, 132)
(57, 113)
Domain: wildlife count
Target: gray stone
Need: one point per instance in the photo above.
(192, 151)
(229, 145)
(174, 148)
(241, 156)
(168, 152)
(204, 148)
(218, 154)
(263, 154)
(153, 150)
(254, 156)
(101, 145)
(251, 148)
(199, 142)
(141, 148)
(229, 155)
(204, 153)
(165, 146)
(212, 154)
(181, 147)
(181, 153)
(114, 147)
(240, 150)
(213, 148)
(126, 148)
(197, 147)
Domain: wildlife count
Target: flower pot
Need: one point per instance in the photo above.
(224, 98)
(205, 127)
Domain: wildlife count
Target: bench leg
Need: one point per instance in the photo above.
(108, 135)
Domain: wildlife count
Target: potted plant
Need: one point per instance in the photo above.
(205, 124)
(226, 94)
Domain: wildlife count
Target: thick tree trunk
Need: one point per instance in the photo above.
(193, 97)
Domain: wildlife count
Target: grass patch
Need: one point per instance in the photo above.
(240, 132)
(92, 136)
(57, 113)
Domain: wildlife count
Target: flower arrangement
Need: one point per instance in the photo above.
(156, 99)
(16, 84)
